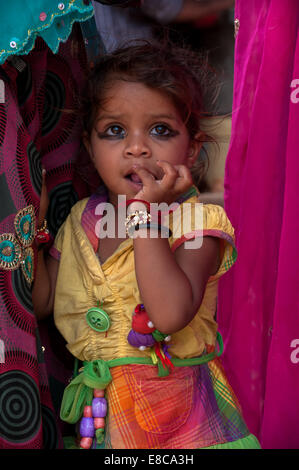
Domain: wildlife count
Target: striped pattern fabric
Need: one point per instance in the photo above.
(194, 407)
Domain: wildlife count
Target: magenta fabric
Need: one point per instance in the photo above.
(259, 298)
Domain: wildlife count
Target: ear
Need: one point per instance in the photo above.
(194, 148)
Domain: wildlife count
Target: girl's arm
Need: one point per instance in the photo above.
(43, 291)
(172, 284)
(46, 270)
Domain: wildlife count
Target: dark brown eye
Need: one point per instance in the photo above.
(115, 131)
(161, 129)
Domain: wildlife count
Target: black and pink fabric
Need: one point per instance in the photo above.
(36, 130)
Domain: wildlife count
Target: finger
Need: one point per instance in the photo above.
(184, 174)
(145, 176)
(44, 191)
(184, 181)
(170, 173)
(44, 199)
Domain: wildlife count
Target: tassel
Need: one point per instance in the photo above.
(167, 356)
(154, 357)
(162, 370)
(158, 353)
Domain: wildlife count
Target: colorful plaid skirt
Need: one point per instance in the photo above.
(194, 407)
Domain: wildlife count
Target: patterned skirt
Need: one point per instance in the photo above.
(194, 407)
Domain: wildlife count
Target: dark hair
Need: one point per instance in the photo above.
(184, 75)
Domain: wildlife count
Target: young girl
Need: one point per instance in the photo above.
(138, 306)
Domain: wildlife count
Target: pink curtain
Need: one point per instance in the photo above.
(259, 298)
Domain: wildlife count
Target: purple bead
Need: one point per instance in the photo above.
(99, 407)
(138, 339)
(86, 427)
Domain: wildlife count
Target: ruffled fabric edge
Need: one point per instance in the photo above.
(248, 442)
(70, 16)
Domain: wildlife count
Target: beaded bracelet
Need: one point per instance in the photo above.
(137, 218)
(154, 216)
(42, 235)
(151, 225)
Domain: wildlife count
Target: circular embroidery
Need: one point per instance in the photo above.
(10, 252)
(25, 225)
(17, 251)
(27, 264)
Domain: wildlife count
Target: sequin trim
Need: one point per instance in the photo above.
(85, 12)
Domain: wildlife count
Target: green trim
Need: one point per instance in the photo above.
(96, 374)
(248, 442)
(76, 368)
(193, 361)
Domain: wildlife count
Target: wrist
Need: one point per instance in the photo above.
(137, 206)
(42, 235)
(152, 230)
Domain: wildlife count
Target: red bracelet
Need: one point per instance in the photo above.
(155, 217)
(42, 235)
(146, 203)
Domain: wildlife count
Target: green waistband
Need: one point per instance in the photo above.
(192, 361)
(96, 374)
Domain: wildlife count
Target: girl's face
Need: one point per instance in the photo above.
(137, 125)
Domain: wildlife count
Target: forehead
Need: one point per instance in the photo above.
(137, 98)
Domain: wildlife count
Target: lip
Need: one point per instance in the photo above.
(135, 186)
(132, 170)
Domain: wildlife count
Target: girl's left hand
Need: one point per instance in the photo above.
(176, 180)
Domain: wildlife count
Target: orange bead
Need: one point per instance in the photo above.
(99, 423)
(98, 393)
(87, 413)
(86, 442)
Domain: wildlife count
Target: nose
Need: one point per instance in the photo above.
(137, 146)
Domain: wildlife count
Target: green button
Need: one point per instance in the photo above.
(98, 319)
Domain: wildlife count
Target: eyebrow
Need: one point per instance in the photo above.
(121, 116)
(110, 117)
(163, 116)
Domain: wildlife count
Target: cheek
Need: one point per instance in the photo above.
(179, 150)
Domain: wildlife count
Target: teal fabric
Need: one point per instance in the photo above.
(23, 20)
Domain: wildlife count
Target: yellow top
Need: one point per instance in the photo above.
(83, 281)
